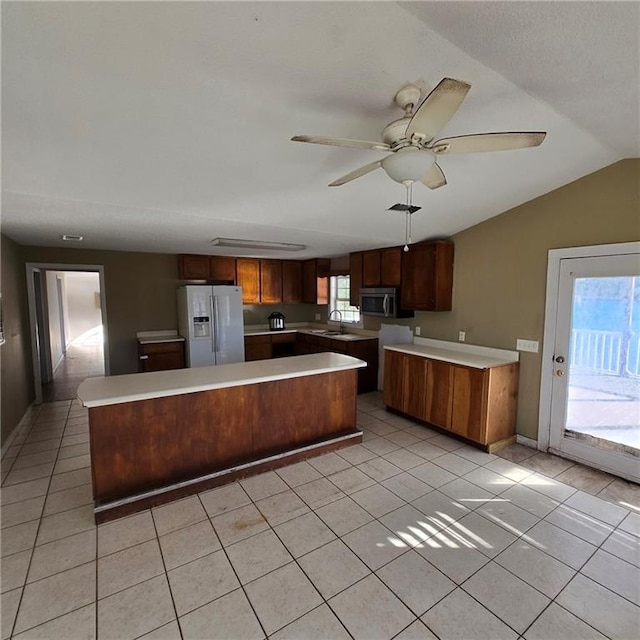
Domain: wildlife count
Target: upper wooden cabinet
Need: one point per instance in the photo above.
(291, 281)
(376, 268)
(210, 268)
(371, 268)
(193, 267)
(315, 281)
(270, 281)
(427, 276)
(248, 275)
(222, 269)
(355, 278)
(391, 267)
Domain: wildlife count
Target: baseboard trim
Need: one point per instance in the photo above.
(26, 418)
(527, 442)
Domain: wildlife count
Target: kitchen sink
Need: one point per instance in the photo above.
(326, 332)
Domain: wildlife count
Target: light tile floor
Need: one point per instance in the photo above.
(410, 535)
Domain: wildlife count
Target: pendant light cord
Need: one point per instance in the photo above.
(407, 225)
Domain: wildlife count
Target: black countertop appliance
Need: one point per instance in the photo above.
(276, 321)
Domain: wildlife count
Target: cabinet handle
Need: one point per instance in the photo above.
(144, 357)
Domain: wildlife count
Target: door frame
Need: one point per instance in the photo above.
(550, 319)
(43, 267)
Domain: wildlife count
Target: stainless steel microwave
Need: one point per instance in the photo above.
(381, 301)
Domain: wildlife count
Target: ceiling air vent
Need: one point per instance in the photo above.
(71, 238)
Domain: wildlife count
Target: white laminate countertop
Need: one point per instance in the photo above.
(345, 337)
(107, 390)
(467, 355)
(154, 337)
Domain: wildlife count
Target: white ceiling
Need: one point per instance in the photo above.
(158, 126)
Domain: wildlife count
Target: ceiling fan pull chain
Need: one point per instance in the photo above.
(407, 220)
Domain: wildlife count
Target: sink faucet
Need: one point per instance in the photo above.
(340, 318)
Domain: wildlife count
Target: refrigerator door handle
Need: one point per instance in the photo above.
(214, 313)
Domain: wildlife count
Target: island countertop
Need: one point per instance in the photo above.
(108, 390)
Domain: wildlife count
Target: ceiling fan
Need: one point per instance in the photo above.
(411, 138)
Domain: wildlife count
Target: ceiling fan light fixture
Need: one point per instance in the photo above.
(241, 243)
(408, 165)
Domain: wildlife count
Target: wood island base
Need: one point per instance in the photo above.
(108, 511)
(149, 450)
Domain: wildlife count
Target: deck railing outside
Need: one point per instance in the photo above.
(605, 352)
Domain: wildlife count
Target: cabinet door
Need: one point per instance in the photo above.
(417, 277)
(439, 393)
(390, 266)
(191, 267)
(248, 273)
(371, 268)
(222, 269)
(257, 348)
(291, 281)
(415, 387)
(366, 350)
(161, 356)
(393, 381)
(315, 281)
(355, 278)
(469, 409)
(427, 276)
(270, 281)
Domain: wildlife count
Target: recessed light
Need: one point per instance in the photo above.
(71, 238)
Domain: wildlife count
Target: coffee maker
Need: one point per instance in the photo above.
(276, 321)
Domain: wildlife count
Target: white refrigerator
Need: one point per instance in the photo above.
(210, 320)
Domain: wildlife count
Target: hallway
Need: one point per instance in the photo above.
(84, 358)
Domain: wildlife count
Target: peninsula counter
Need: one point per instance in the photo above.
(163, 435)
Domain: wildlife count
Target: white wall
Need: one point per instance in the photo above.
(82, 297)
(56, 341)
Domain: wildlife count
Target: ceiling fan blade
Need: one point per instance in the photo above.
(437, 108)
(435, 178)
(478, 142)
(372, 166)
(343, 142)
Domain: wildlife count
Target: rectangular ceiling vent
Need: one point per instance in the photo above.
(71, 238)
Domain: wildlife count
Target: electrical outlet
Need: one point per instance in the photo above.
(462, 336)
(417, 331)
(527, 345)
(317, 316)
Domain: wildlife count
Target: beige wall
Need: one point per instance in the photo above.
(501, 267)
(16, 380)
(140, 291)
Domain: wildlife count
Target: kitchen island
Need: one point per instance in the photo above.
(159, 436)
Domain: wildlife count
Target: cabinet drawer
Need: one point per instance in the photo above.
(161, 347)
(283, 337)
(263, 339)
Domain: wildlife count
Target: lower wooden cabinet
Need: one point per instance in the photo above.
(366, 350)
(477, 404)
(161, 356)
(257, 348)
(267, 346)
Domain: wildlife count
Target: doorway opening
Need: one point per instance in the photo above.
(68, 328)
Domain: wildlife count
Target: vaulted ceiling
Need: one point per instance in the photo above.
(158, 126)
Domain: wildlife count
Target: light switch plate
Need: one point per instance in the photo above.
(527, 345)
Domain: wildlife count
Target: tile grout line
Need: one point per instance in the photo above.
(33, 547)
